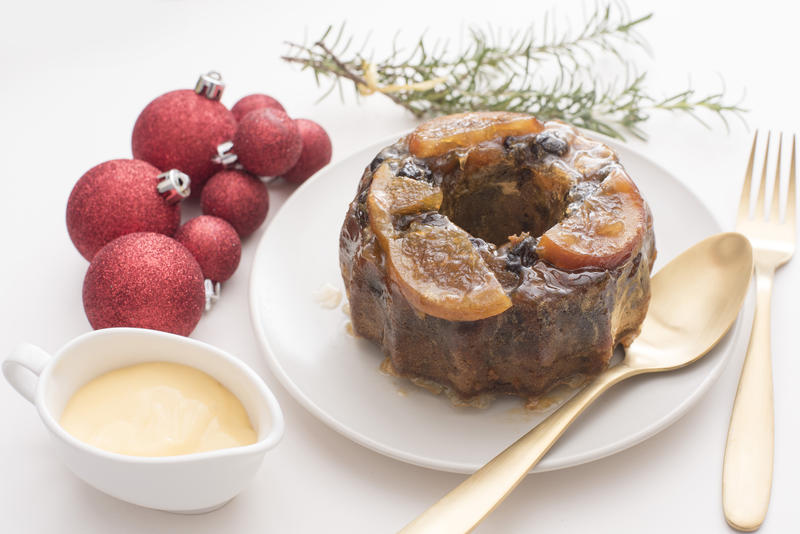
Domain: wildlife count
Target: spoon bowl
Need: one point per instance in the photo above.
(694, 301)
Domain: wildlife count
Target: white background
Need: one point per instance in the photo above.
(73, 78)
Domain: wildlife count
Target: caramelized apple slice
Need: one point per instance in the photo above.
(440, 135)
(441, 274)
(603, 232)
(436, 267)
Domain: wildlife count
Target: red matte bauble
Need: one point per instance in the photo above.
(316, 151)
(237, 197)
(215, 245)
(253, 102)
(144, 280)
(181, 130)
(115, 198)
(267, 142)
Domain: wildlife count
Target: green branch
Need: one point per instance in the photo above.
(540, 70)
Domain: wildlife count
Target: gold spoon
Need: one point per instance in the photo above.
(695, 299)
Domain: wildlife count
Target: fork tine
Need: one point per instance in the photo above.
(791, 199)
(744, 201)
(762, 186)
(774, 211)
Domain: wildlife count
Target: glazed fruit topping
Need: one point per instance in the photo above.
(602, 232)
(436, 266)
(441, 135)
(396, 195)
(442, 274)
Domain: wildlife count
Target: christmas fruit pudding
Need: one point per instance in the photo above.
(493, 253)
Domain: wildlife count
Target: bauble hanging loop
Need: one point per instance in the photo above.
(213, 292)
(210, 85)
(225, 155)
(174, 186)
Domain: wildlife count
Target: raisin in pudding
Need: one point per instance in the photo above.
(493, 253)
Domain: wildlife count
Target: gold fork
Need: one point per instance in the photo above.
(747, 467)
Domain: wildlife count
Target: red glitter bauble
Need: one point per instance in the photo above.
(253, 102)
(115, 198)
(181, 130)
(316, 151)
(144, 280)
(267, 142)
(237, 197)
(215, 245)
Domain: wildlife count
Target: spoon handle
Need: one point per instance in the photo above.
(747, 467)
(471, 501)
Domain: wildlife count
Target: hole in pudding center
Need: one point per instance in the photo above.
(495, 203)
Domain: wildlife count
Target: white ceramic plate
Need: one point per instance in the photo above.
(336, 376)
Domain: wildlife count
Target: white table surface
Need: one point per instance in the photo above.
(74, 76)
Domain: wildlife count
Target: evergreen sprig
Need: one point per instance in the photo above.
(541, 70)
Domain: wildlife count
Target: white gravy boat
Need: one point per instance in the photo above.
(191, 483)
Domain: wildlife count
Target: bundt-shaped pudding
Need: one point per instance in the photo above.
(491, 253)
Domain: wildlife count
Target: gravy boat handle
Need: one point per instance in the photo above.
(22, 367)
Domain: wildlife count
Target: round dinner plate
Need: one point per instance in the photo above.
(336, 376)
